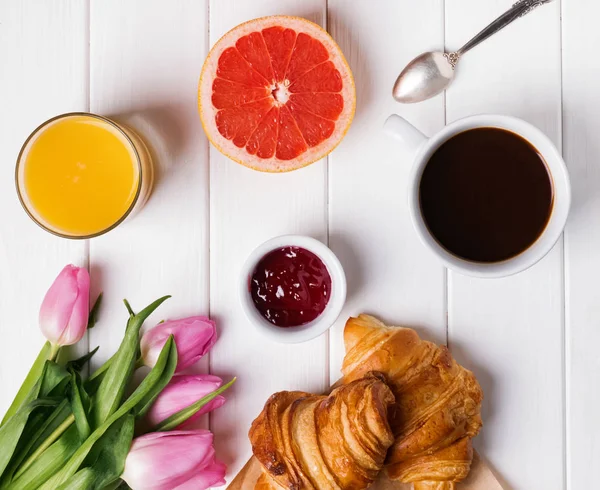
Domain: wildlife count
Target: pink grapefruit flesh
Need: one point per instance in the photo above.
(276, 94)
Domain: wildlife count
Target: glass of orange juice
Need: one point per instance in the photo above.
(80, 175)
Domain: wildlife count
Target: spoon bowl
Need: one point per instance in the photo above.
(431, 73)
(424, 77)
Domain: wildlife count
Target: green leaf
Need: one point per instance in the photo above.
(143, 407)
(44, 444)
(48, 463)
(93, 318)
(180, 417)
(18, 441)
(55, 380)
(78, 408)
(93, 382)
(79, 364)
(34, 374)
(82, 480)
(129, 308)
(106, 460)
(114, 383)
(107, 457)
(37, 435)
(119, 484)
(167, 360)
(10, 432)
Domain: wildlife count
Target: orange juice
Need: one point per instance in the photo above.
(79, 175)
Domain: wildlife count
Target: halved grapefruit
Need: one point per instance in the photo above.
(276, 94)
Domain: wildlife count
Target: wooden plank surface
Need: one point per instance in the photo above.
(247, 208)
(144, 66)
(43, 56)
(581, 120)
(510, 331)
(389, 272)
(141, 66)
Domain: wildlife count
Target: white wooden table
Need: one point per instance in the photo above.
(531, 339)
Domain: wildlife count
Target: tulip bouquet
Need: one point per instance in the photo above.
(65, 431)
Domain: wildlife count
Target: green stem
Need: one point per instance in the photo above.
(46, 444)
(54, 350)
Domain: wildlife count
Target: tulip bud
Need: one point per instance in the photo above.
(181, 392)
(194, 336)
(177, 460)
(66, 306)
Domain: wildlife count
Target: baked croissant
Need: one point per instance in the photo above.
(335, 442)
(438, 402)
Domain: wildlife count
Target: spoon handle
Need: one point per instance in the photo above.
(519, 9)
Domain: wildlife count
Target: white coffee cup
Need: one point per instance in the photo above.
(424, 147)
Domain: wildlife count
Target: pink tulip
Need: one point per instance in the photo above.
(177, 460)
(183, 391)
(66, 306)
(194, 336)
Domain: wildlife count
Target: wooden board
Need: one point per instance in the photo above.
(140, 60)
(389, 272)
(143, 79)
(247, 208)
(481, 477)
(581, 123)
(30, 258)
(510, 331)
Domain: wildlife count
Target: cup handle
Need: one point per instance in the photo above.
(400, 129)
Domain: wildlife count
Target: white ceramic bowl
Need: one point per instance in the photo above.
(320, 324)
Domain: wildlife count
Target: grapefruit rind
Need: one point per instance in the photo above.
(274, 164)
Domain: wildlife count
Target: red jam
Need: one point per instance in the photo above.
(290, 286)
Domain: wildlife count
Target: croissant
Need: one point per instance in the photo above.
(438, 402)
(335, 442)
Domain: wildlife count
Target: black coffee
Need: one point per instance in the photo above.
(486, 195)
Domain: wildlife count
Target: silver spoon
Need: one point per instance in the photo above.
(431, 73)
